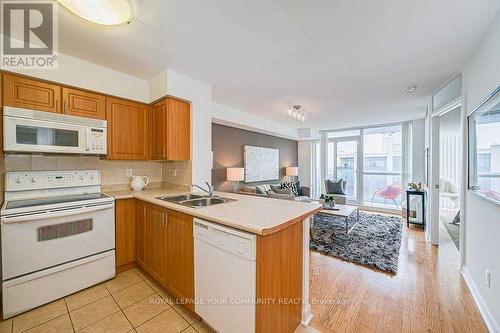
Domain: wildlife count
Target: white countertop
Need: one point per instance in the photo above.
(258, 215)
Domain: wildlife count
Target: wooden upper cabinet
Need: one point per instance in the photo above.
(31, 94)
(159, 131)
(171, 130)
(83, 104)
(128, 129)
(178, 130)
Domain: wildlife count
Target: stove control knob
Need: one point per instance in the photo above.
(32, 180)
(92, 177)
(18, 180)
(81, 177)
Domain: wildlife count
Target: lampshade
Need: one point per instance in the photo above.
(292, 171)
(235, 174)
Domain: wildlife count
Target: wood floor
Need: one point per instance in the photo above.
(427, 295)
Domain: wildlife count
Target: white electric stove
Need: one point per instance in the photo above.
(58, 236)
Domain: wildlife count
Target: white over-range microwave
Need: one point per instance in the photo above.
(46, 132)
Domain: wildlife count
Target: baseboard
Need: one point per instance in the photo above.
(306, 314)
(488, 318)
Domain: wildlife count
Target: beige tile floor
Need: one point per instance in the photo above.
(128, 303)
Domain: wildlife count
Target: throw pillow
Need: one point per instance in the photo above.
(283, 191)
(292, 186)
(335, 187)
(259, 189)
(275, 187)
(275, 195)
(249, 189)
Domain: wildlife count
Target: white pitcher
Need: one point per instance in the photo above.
(139, 182)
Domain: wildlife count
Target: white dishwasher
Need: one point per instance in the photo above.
(225, 272)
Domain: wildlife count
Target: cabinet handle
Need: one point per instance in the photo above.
(165, 219)
(144, 212)
(164, 152)
(57, 105)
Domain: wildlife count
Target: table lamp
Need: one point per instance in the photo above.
(292, 172)
(235, 175)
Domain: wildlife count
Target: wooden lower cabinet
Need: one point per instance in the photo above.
(165, 249)
(156, 219)
(179, 248)
(141, 233)
(125, 229)
(279, 277)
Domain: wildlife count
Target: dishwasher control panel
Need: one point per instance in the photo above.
(236, 242)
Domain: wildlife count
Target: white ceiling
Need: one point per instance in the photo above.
(346, 61)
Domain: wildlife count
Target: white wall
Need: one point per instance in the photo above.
(231, 117)
(79, 73)
(305, 162)
(482, 224)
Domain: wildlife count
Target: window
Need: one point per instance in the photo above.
(373, 161)
(484, 148)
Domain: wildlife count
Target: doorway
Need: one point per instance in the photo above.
(447, 171)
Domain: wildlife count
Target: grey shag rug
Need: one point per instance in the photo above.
(374, 242)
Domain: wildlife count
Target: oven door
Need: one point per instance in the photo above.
(29, 135)
(41, 240)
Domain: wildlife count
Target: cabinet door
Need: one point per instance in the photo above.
(178, 130)
(31, 94)
(180, 256)
(125, 231)
(83, 104)
(142, 232)
(1, 116)
(159, 131)
(128, 129)
(157, 221)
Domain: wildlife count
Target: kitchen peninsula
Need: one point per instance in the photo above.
(158, 236)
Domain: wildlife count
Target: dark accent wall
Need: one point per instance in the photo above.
(227, 147)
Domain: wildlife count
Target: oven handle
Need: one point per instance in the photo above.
(55, 214)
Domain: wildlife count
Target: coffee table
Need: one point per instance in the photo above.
(344, 211)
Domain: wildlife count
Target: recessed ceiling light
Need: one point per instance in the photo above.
(103, 12)
(411, 89)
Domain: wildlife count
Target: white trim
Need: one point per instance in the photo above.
(306, 305)
(488, 318)
(251, 128)
(457, 102)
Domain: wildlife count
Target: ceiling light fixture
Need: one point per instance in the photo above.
(295, 112)
(103, 12)
(411, 89)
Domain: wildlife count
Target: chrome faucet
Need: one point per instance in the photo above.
(210, 190)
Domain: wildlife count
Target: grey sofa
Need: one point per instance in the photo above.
(262, 191)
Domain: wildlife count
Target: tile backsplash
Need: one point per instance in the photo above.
(113, 173)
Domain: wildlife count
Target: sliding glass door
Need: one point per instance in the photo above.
(382, 166)
(375, 162)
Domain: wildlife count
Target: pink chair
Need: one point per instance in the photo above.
(388, 192)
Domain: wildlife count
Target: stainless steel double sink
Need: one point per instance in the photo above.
(195, 200)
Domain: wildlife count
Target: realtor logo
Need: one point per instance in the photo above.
(29, 35)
